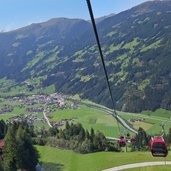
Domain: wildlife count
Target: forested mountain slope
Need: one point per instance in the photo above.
(136, 45)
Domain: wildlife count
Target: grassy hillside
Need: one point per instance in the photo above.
(151, 120)
(61, 55)
(55, 159)
(90, 118)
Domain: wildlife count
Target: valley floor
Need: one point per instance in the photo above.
(54, 159)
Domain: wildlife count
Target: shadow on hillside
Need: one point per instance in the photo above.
(53, 167)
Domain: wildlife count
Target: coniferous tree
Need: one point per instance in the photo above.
(169, 136)
(141, 139)
(10, 150)
(27, 156)
(86, 146)
(67, 126)
(53, 131)
(87, 135)
(99, 141)
(82, 134)
(3, 128)
(20, 148)
(92, 134)
(1, 166)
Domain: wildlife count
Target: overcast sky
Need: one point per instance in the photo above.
(19, 13)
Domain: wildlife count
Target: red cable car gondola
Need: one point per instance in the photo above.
(122, 141)
(158, 147)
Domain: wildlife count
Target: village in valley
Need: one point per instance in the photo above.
(37, 108)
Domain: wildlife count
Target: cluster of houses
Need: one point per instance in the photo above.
(53, 102)
(60, 123)
(40, 99)
(54, 99)
(136, 120)
(35, 109)
(6, 110)
(29, 118)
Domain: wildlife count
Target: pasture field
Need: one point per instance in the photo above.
(151, 120)
(54, 159)
(158, 112)
(6, 116)
(89, 118)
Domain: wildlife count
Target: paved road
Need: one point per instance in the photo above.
(113, 138)
(47, 120)
(135, 165)
(123, 123)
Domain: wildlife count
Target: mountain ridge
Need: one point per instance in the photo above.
(136, 49)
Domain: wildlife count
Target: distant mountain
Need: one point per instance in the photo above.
(24, 49)
(100, 19)
(62, 52)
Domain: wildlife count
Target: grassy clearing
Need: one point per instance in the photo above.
(113, 48)
(86, 78)
(90, 118)
(21, 36)
(152, 120)
(38, 57)
(6, 116)
(144, 125)
(4, 83)
(111, 34)
(131, 44)
(16, 44)
(144, 84)
(159, 112)
(40, 124)
(52, 58)
(49, 89)
(151, 46)
(54, 159)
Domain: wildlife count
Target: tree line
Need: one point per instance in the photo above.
(76, 138)
(18, 152)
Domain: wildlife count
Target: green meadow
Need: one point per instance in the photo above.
(152, 120)
(54, 159)
(89, 118)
